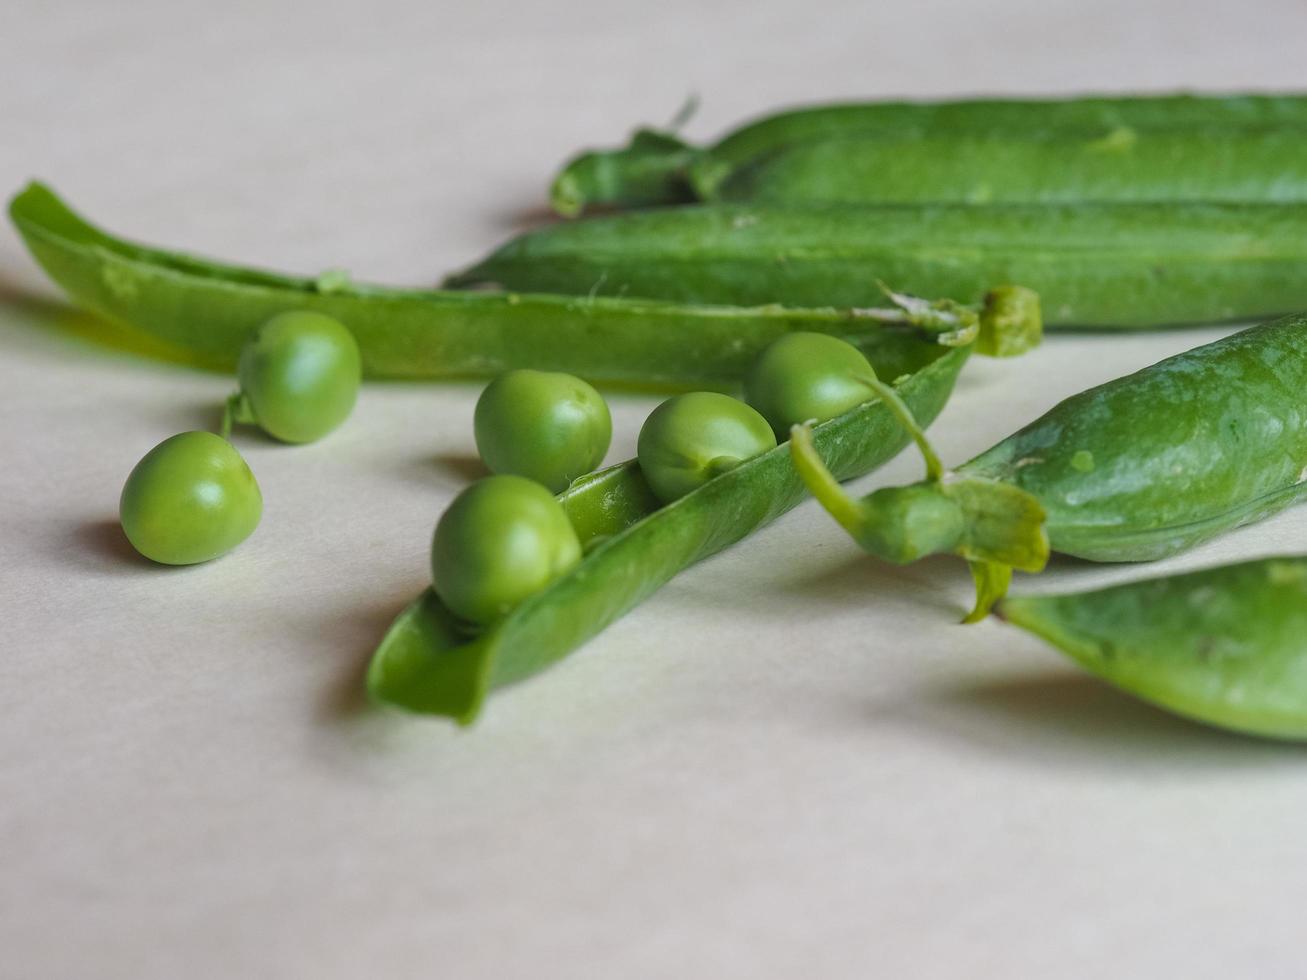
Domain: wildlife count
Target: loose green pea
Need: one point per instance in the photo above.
(689, 439)
(547, 426)
(299, 377)
(803, 377)
(190, 499)
(503, 539)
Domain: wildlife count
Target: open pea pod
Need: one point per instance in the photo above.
(206, 310)
(1225, 646)
(427, 663)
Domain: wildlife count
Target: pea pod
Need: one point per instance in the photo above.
(207, 310)
(1241, 164)
(660, 168)
(1136, 469)
(1224, 646)
(1103, 265)
(427, 663)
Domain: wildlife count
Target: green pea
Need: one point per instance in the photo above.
(299, 377)
(503, 539)
(544, 425)
(689, 439)
(803, 377)
(190, 499)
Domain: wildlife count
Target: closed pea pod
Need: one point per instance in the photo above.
(659, 168)
(190, 499)
(547, 426)
(1111, 264)
(1225, 646)
(1133, 470)
(299, 377)
(1239, 164)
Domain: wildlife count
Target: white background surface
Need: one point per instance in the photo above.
(790, 762)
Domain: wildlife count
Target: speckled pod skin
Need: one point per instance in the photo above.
(1153, 463)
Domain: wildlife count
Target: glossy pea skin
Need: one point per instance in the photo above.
(544, 425)
(806, 377)
(502, 540)
(190, 499)
(691, 438)
(300, 374)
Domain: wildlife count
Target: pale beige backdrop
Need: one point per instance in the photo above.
(790, 762)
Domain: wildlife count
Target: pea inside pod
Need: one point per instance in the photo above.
(691, 438)
(190, 499)
(806, 377)
(502, 539)
(299, 377)
(1225, 646)
(544, 425)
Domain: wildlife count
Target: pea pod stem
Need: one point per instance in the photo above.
(992, 526)
(235, 410)
(899, 409)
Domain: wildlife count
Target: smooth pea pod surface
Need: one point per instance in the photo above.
(659, 168)
(1240, 164)
(206, 310)
(1119, 265)
(1224, 646)
(427, 662)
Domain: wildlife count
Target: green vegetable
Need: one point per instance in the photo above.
(502, 539)
(546, 426)
(659, 168)
(806, 377)
(1106, 265)
(1165, 165)
(690, 439)
(634, 544)
(1225, 646)
(1136, 469)
(299, 378)
(206, 311)
(190, 499)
